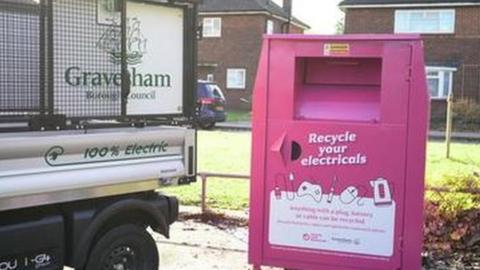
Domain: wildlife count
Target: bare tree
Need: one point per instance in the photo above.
(340, 26)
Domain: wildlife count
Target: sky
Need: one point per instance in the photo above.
(321, 15)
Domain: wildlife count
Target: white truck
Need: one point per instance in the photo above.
(97, 105)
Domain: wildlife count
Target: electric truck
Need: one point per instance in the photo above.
(97, 114)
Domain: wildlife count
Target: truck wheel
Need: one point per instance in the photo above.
(127, 247)
(207, 125)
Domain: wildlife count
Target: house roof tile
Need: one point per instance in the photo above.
(18, 1)
(413, 2)
(246, 5)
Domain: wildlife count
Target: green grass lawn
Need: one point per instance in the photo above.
(465, 158)
(238, 116)
(220, 152)
(229, 152)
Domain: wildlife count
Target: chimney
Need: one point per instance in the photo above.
(287, 7)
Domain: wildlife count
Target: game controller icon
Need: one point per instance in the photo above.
(312, 190)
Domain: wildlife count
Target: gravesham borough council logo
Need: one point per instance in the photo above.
(111, 40)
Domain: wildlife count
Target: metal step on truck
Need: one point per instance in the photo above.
(97, 113)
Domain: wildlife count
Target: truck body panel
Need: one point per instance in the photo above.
(53, 167)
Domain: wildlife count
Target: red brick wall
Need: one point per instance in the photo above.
(296, 30)
(461, 48)
(238, 47)
(376, 21)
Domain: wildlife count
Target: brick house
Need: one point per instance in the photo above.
(451, 34)
(232, 38)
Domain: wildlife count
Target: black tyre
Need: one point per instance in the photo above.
(207, 126)
(127, 247)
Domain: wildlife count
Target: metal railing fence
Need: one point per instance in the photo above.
(204, 176)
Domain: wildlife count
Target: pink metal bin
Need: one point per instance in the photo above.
(339, 137)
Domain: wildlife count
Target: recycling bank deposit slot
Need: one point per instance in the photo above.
(339, 139)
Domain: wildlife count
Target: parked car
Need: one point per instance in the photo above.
(211, 104)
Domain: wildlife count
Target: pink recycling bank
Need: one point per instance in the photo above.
(339, 136)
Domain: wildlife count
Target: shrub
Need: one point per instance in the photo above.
(458, 199)
(452, 228)
(466, 114)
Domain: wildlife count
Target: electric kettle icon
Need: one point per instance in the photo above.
(382, 194)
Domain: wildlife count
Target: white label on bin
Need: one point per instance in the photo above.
(330, 49)
(359, 226)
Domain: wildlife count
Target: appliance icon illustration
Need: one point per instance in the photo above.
(285, 183)
(312, 190)
(279, 181)
(290, 186)
(349, 195)
(382, 194)
(332, 190)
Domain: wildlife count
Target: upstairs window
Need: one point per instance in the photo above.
(440, 81)
(212, 27)
(427, 21)
(270, 27)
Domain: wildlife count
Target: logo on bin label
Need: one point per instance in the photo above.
(312, 237)
(336, 49)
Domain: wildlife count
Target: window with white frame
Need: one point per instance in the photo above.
(212, 27)
(210, 77)
(236, 78)
(440, 81)
(426, 21)
(270, 27)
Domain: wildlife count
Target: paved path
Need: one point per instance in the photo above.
(235, 125)
(196, 246)
(456, 135)
(199, 246)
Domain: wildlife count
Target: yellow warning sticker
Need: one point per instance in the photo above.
(336, 49)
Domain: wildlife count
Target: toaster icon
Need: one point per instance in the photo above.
(382, 194)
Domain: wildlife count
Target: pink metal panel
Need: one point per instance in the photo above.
(338, 153)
